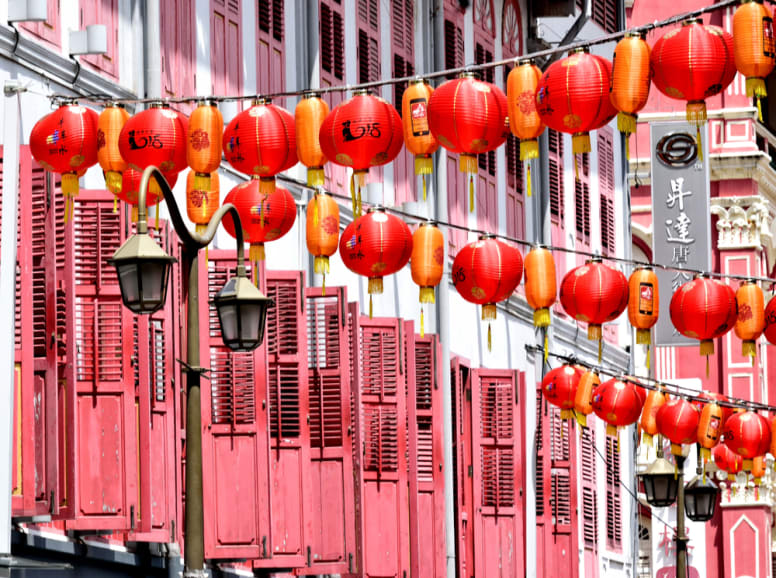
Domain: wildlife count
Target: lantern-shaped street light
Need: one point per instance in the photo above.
(660, 483)
(143, 270)
(700, 498)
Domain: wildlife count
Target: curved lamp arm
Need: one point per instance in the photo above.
(191, 240)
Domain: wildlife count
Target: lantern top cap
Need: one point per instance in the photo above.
(469, 74)
(525, 61)
(361, 92)
(596, 259)
(207, 102)
(376, 209)
(643, 268)
(428, 223)
(580, 50)
(635, 34)
(691, 21)
(749, 1)
(484, 236)
(260, 101)
(311, 94)
(418, 81)
(160, 104)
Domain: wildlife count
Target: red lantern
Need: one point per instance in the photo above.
(559, 387)
(264, 216)
(261, 142)
(486, 272)
(65, 142)
(770, 321)
(618, 403)
(573, 96)
(156, 136)
(704, 309)
(677, 420)
(712, 396)
(749, 435)
(365, 131)
(375, 245)
(727, 460)
(468, 116)
(594, 293)
(693, 63)
(130, 189)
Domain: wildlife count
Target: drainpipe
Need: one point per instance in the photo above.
(152, 50)
(572, 32)
(439, 190)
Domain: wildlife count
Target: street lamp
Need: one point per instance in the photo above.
(660, 482)
(700, 498)
(143, 269)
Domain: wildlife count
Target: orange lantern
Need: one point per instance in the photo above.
(109, 125)
(754, 50)
(631, 75)
(643, 304)
(308, 118)
(427, 262)
(417, 135)
(524, 120)
(583, 400)
(758, 469)
(751, 317)
(202, 202)
(540, 286)
(709, 428)
(203, 146)
(655, 400)
(322, 230)
(677, 420)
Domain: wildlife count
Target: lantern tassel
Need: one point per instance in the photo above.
(698, 140)
(490, 341)
(627, 147)
(200, 229)
(261, 211)
(576, 169)
(370, 306)
(648, 356)
(546, 345)
(423, 178)
(156, 222)
(323, 286)
(759, 109)
(256, 255)
(359, 200)
(471, 193)
(353, 194)
(528, 177)
(115, 204)
(422, 326)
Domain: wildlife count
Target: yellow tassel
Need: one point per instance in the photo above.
(600, 349)
(359, 201)
(676, 471)
(201, 181)
(157, 217)
(267, 185)
(370, 306)
(707, 367)
(422, 326)
(611, 430)
(698, 141)
(261, 211)
(315, 177)
(353, 193)
(490, 342)
(471, 193)
(528, 177)
(627, 147)
(546, 345)
(424, 185)
(323, 285)
(115, 204)
(648, 356)
(759, 110)
(576, 168)
(581, 418)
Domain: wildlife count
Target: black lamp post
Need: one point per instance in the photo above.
(143, 269)
(701, 497)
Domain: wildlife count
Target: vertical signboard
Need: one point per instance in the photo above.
(680, 216)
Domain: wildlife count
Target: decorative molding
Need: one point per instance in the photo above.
(743, 222)
(742, 492)
(723, 166)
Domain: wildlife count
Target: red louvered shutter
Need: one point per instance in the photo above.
(604, 13)
(582, 205)
(270, 34)
(178, 64)
(589, 501)
(484, 47)
(461, 378)
(103, 12)
(383, 447)
(332, 52)
(606, 184)
(457, 182)
(100, 350)
(225, 47)
(368, 22)
(289, 425)
(613, 503)
(557, 203)
(235, 451)
(333, 518)
(403, 55)
(499, 548)
(50, 30)
(427, 507)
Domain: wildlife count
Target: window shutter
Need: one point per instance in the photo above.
(454, 43)
(403, 50)
(606, 180)
(582, 200)
(225, 47)
(515, 196)
(604, 13)
(49, 30)
(457, 204)
(178, 50)
(103, 12)
(613, 505)
(556, 176)
(332, 54)
(589, 497)
(539, 471)
(271, 46)
(368, 19)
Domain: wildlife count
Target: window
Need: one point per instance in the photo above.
(368, 18)
(178, 58)
(484, 46)
(48, 30)
(511, 34)
(457, 182)
(604, 13)
(454, 53)
(225, 47)
(270, 33)
(613, 505)
(332, 34)
(103, 12)
(589, 495)
(606, 185)
(403, 54)
(582, 200)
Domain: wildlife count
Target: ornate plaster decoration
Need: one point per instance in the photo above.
(742, 491)
(743, 223)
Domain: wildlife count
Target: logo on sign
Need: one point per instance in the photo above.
(419, 110)
(646, 292)
(677, 149)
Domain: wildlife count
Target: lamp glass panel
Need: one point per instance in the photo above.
(128, 281)
(663, 489)
(250, 316)
(153, 281)
(228, 314)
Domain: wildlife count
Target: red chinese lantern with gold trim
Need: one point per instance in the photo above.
(709, 428)
(468, 117)
(704, 309)
(751, 317)
(773, 436)
(770, 321)
(202, 203)
(322, 232)
(559, 387)
(308, 118)
(485, 272)
(754, 50)
(583, 398)
(109, 125)
(677, 420)
(648, 423)
(524, 120)
(375, 245)
(130, 189)
(427, 263)
(643, 304)
(417, 134)
(360, 133)
(692, 63)
(65, 142)
(203, 146)
(595, 294)
(261, 142)
(749, 435)
(618, 403)
(156, 136)
(631, 77)
(727, 460)
(264, 216)
(573, 96)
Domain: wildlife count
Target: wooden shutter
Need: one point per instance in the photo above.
(403, 55)
(270, 34)
(604, 13)
(100, 349)
(427, 507)
(178, 36)
(50, 30)
(589, 501)
(484, 46)
(606, 184)
(557, 217)
(515, 196)
(382, 422)
(235, 449)
(332, 54)
(454, 43)
(289, 419)
(103, 12)
(613, 504)
(582, 204)
(225, 47)
(368, 22)
(498, 474)
(457, 204)
(333, 517)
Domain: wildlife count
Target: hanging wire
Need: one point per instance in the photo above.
(99, 98)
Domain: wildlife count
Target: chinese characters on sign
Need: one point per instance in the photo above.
(680, 215)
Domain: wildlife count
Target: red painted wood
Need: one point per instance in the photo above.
(413, 444)
(403, 64)
(270, 34)
(582, 205)
(353, 328)
(589, 506)
(178, 36)
(606, 186)
(103, 12)
(225, 47)
(235, 444)
(100, 348)
(457, 204)
(746, 541)
(497, 480)
(333, 517)
(50, 30)
(331, 20)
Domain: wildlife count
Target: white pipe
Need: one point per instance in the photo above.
(153, 49)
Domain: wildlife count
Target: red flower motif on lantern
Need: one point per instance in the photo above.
(199, 139)
(330, 225)
(526, 101)
(100, 138)
(744, 312)
(439, 255)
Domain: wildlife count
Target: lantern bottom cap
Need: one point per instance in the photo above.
(359, 177)
(626, 122)
(646, 439)
(696, 113)
(315, 177)
(705, 454)
(749, 348)
(594, 332)
(201, 181)
(489, 312)
(541, 317)
(427, 295)
(424, 165)
(566, 413)
(643, 337)
(529, 149)
(256, 253)
(707, 347)
(321, 264)
(467, 163)
(200, 228)
(747, 465)
(267, 185)
(113, 181)
(676, 449)
(756, 87)
(580, 143)
(375, 285)
(611, 430)
(69, 184)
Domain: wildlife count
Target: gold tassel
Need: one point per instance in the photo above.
(424, 186)
(707, 367)
(115, 204)
(759, 110)
(359, 200)
(648, 356)
(261, 211)
(422, 326)
(528, 177)
(600, 348)
(546, 345)
(490, 341)
(323, 286)
(698, 140)
(471, 193)
(627, 147)
(353, 193)
(157, 217)
(370, 306)
(576, 168)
